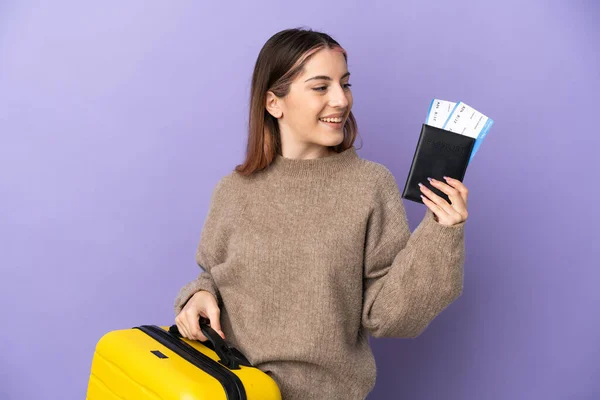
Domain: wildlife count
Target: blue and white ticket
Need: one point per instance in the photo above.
(438, 113)
(469, 122)
(459, 118)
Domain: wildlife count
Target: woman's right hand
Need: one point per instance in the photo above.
(203, 304)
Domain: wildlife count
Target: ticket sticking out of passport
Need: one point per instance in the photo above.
(459, 118)
(438, 113)
(449, 139)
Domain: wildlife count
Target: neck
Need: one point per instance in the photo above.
(314, 167)
(312, 153)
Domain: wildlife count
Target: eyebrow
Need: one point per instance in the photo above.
(325, 77)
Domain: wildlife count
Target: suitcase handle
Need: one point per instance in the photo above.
(229, 356)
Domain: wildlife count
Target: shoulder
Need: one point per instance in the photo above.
(224, 186)
(231, 184)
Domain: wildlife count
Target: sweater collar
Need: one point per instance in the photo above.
(323, 166)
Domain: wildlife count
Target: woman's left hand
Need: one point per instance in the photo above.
(447, 214)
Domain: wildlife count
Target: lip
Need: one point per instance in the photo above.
(338, 115)
(334, 125)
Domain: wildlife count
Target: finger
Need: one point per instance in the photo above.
(456, 200)
(182, 330)
(214, 315)
(435, 209)
(193, 326)
(442, 217)
(446, 212)
(437, 200)
(200, 336)
(458, 185)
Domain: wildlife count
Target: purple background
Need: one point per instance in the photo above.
(118, 118)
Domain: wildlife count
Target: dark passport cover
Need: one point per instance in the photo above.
(439, 153)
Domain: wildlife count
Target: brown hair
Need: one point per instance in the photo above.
(279, 62)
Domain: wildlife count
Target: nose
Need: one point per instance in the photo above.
(339, 98)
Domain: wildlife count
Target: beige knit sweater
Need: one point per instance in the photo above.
(308, 256)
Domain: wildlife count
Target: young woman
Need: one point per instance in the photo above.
(306, 247)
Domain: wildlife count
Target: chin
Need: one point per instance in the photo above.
(331, 143)
(336, 140)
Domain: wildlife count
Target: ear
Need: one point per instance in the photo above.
(273, 105)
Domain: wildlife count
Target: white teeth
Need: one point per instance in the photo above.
(331, 119)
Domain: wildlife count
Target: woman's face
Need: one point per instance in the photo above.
(320, 91)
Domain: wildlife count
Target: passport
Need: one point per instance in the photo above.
(450, 137)
(438, 153)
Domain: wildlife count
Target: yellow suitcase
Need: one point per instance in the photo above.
(156, 363)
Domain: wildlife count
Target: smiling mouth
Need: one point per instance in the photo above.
(332, 120)
(337, 126)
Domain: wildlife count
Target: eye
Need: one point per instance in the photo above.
(322, 88)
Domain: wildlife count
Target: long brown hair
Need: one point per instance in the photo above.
(279, 62)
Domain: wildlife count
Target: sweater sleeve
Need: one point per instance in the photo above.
(409, 278)
(210, 251)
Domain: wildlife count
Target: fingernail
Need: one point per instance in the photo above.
(429, 179)
(445, 177)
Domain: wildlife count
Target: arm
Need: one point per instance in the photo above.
(409, 278)
(203, 282)
(211, 249)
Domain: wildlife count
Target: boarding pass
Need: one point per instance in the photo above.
(459, 118)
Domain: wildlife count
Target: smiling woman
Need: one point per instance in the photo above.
(301, 100)
(306, 247)
(311, 116)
